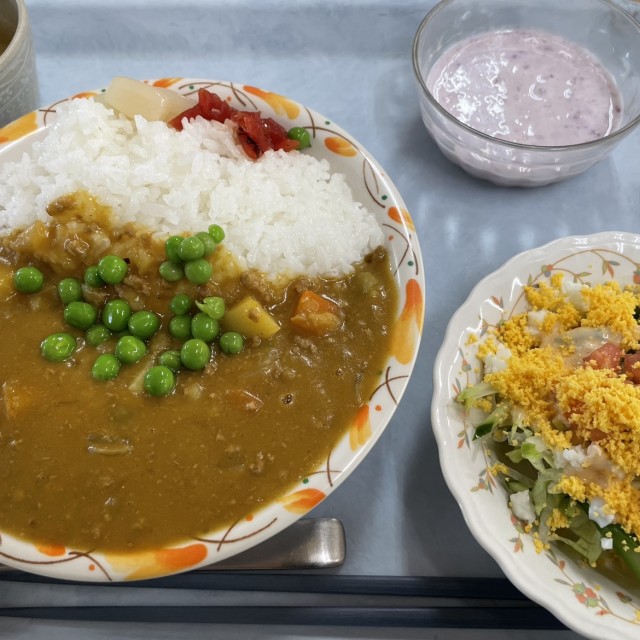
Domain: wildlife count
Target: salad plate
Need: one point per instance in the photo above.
(369, 185)
(589, 601)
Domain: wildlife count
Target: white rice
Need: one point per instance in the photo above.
(283, 214)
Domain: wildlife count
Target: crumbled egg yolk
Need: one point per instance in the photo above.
(528, 381)
(488, 347)
(538, 545)
(516, 335)
(609, 306)
(557, 520)
(599, 399)
(597, 405)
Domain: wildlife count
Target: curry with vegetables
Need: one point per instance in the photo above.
(255, 380)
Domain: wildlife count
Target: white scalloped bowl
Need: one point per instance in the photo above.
(373, 188)
(582, 598)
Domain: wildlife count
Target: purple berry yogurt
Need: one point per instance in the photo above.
(528, 87)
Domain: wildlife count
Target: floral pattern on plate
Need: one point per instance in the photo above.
(586, 600)
(371, 186)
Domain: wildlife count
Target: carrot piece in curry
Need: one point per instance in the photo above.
(315, 314)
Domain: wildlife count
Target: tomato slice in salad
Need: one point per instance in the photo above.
(608, 356)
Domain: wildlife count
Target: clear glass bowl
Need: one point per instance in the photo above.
(600, 26)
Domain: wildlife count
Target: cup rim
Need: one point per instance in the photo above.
(613, 136)
(18, 34)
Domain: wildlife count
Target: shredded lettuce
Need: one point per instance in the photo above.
(467, 397)
(625, 545)
(532, 476)
(582, 534)
(497, 418)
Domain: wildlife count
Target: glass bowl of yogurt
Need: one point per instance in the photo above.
(528, 92)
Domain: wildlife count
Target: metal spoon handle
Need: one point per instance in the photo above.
(310, 543)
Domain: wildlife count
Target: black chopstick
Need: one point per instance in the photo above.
(405, 586)
(533, 618)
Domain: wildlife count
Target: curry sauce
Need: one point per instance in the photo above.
(102, 465)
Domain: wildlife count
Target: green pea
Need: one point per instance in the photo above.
(171, 249)
(28, 280)
(195, 354)
(180, 304)
(301, 135)
(80, 315)
(112, 269)
(190, 248)
(106, 367)
(198, 271)
(213, 306)
(216, 232)
(231, 342)
(170, 359)
(180, 327)
(69, 290)
(204, 327)
(144, 324)
(92, 277)
(130, 349)
(208, 242)
(171, 272)
(57, 347)
(97, 334)
(116, 314)
(159, 381)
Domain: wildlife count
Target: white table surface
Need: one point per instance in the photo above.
(350, 61)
